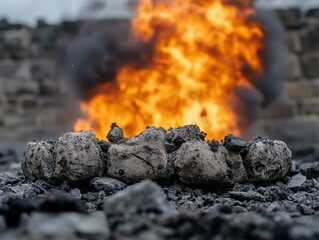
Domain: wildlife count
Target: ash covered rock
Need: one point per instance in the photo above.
(74, 157)
(115, 134)
(196, 163)
(77, 157)
(138, 158)
(234, 143)
(296, 181)
(175, 137)
(109, 185)
(38, 161)
(143, 197)
(267, 160)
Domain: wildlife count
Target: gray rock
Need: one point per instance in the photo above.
(68, 225)
(296, 181)
(175, 137)
(310, 170)
(115, 134)
(138, 158)
(247, 196)
(267, 160)
(145, 196)
(76, 193)
(233, 143)
(77, 157)
(38, 161)
(109, 185)
(196, 163)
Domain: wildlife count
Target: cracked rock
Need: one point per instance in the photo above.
(38, 161)
(138, 158)
(68, 225)
(267, 160)
(196, 163)
(143, 197)
(77, 157)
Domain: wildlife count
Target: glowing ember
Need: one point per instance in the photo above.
(202, 49)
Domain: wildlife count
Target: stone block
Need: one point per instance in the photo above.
(309, 106)
(313, 13)
(310, 64)
(43, 69)
(303, 130)
(27, 102)
(293, 70)
(293, 41)
(303, 89)
(290, 18)
(18, 86)
(310, 37)
(282, 109)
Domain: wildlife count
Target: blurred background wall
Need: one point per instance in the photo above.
(34, 104)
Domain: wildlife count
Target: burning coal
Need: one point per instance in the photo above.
(179, 62)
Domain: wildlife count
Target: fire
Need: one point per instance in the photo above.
(201, 50)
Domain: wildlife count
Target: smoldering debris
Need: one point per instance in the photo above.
(78, 157)
(239, 189)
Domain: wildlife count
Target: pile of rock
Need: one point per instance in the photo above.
(180, 153)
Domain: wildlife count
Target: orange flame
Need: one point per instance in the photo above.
(202, 47)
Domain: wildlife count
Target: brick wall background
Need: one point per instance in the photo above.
(32, 103)
(295, 117)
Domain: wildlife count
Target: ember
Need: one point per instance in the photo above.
(204, 51)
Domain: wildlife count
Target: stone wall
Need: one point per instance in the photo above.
(295, 118)
(30, 98)
(31, 103)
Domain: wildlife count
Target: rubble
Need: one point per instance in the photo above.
(197, 164)
(108, 185)
(267, 160)
(67, 225)
(175, 137)
(37, 161)
(286, 208)
(233, 143)
(138, 158)
(296, 181)
(145, 196)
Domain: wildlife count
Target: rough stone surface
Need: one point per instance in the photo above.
(310, 62)
(77, 157)
(115, 134)
(175, 137)
(68, 225)
(109, 185)
(296, 181)
(138, 158)
(267, 160)
(145, 196)
(250, 195)
(38, 161)
(233, 143)
(196, 163)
